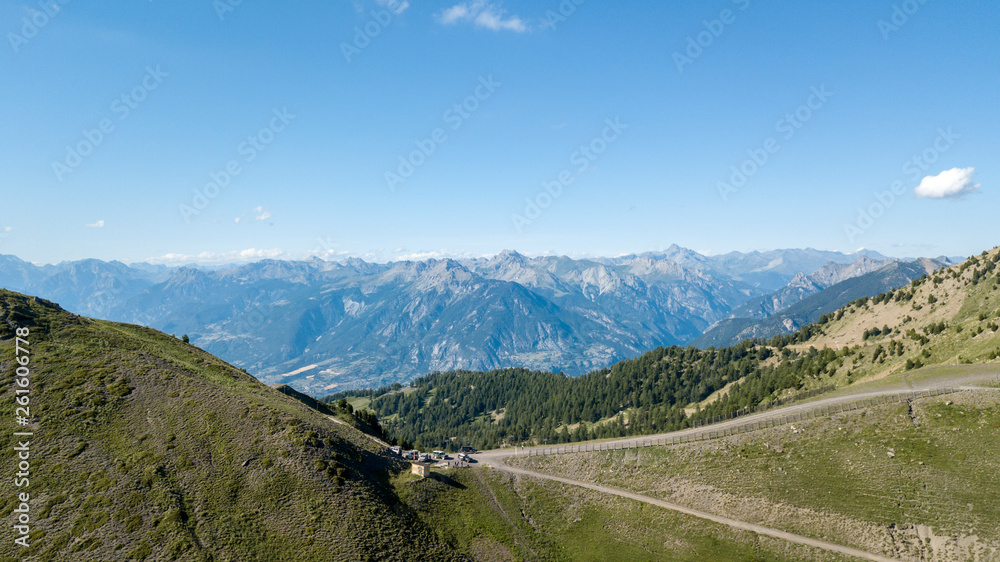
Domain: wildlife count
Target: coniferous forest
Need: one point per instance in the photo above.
(640, 396)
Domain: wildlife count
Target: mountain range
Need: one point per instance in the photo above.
(324, 326)
(946, 317)
(807, 298)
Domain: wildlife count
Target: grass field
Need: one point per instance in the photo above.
(493, 516)
(360, 403)
(907, 483)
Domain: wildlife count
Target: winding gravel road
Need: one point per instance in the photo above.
(495, 459)
(790, 537)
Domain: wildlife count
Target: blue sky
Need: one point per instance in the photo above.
(638, 131)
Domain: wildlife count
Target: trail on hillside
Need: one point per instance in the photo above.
(495, 459)
(960, 382)
(761, 530)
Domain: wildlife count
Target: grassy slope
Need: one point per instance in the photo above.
(938, 496)
(492, 516)
(148, 448)
(968, 310)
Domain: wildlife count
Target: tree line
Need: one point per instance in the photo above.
(639, 396)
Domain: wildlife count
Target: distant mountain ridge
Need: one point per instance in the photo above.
(321, 326)
(807, 299)
(802, 286)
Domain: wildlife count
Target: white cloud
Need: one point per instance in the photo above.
(328, 255)
(397, 6)
(453, 14)
(258, 213)
(950, 184)
(8, 229)
(98, 224)
(493, 20)
(405, 255)
(213, 258)
(422, 256)
(482, 14)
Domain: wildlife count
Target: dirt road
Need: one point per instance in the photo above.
(790, 537)
(962, 382)
(496, 459)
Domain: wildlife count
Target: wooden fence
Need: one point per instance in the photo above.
(762, 407)
(709, 434)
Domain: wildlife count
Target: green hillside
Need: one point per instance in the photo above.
(495, 516)
(148, 448)
(918, 480)
(947, 318)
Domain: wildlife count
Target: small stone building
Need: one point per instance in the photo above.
(421, 469)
